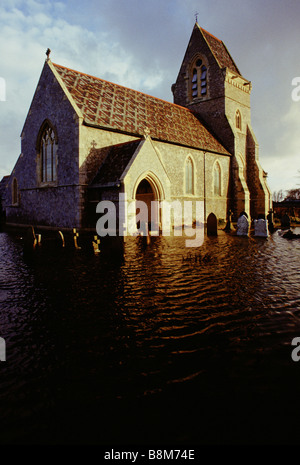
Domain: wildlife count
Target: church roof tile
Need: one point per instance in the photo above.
(111, 106)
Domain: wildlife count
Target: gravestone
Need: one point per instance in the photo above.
(242, 225)
(261, 228)
(212, 225)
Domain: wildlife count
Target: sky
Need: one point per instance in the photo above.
(141, 43)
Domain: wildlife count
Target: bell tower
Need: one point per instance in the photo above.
(210, 84)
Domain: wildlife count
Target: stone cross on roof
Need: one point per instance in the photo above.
(146, 132)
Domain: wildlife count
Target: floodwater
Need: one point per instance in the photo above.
(171, 345)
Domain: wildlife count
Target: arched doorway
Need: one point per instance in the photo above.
(146, 193)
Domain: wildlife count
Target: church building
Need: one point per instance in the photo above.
(86, 140)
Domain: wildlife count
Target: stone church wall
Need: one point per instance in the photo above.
(53, 203)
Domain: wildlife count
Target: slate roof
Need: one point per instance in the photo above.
(115, 162)
(220, 51)
(114, 107)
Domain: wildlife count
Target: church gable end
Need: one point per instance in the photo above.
(49, 158)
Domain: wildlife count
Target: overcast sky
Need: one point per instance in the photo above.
(141, 44)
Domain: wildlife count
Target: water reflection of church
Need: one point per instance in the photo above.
(86, 140)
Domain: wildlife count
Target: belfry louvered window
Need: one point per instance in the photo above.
(48, 149)
(199, 80)
(194, 84)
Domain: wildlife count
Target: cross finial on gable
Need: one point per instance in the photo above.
(196, 16)
(146, 132)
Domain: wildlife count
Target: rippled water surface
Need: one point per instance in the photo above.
(170, 345)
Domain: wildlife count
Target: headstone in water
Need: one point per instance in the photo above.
(212, 225)
(261, 228)
(242, 226)
(285, 221)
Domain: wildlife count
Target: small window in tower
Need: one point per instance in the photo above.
(199, 80)
(238, 120)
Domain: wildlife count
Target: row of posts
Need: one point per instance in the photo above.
(33, 240)
(262, 228)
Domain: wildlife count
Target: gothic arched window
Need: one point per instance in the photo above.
(48, 150)
(199, 79)
(217, 179)
(189, 176)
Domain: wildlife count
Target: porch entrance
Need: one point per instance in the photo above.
(146, 194)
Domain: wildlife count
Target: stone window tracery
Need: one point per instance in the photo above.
(48, 151)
